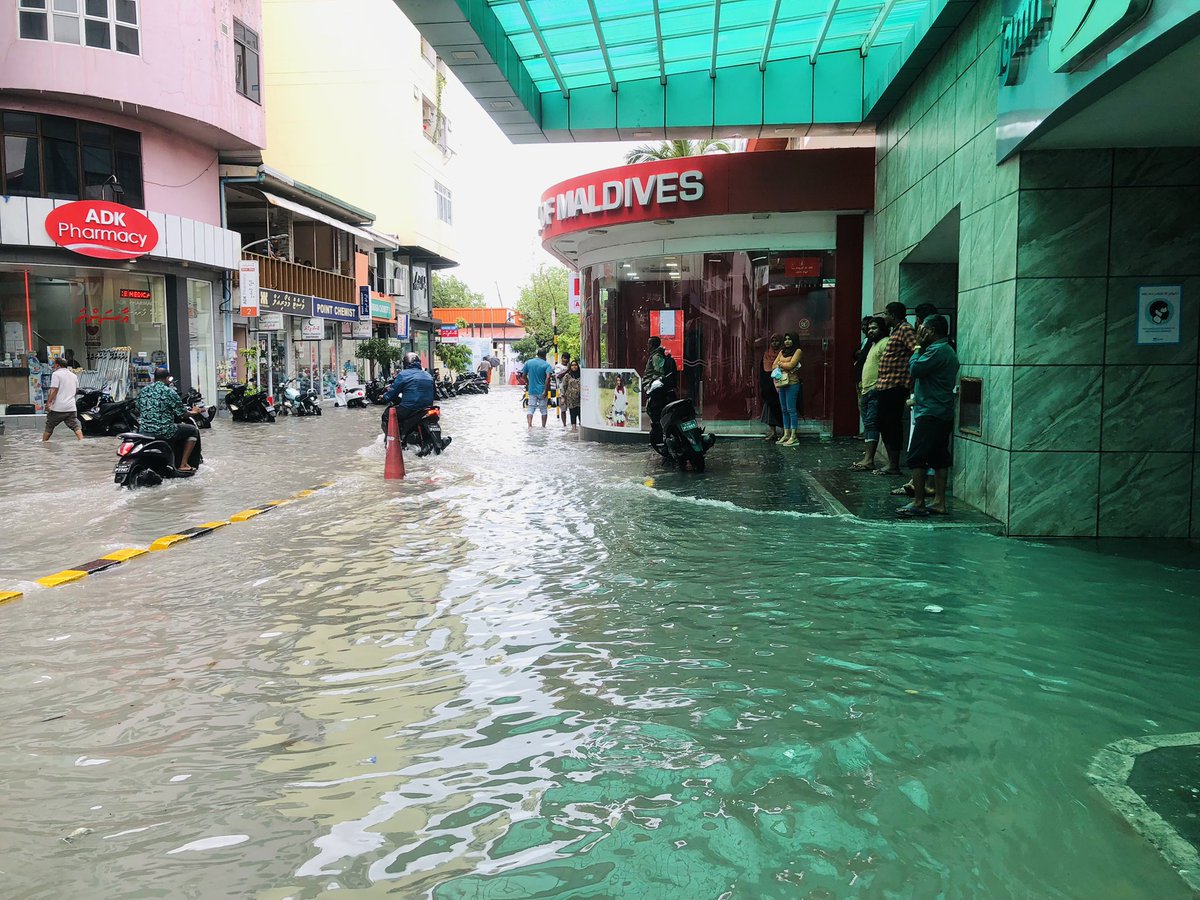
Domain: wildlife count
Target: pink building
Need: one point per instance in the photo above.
(133, 103)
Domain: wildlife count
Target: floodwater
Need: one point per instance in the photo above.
(522, 673)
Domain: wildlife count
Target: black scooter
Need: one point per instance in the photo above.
(145, 461)
(100, 415)
(256, 407)
(425, 433)
(679, 439)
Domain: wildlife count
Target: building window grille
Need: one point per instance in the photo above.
(69, 159)
(246, 62)
(445, 211)
(102, 24)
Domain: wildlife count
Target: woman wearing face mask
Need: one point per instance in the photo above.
(786, 375)
(570, 393)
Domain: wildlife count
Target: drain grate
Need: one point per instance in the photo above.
(1154, 782)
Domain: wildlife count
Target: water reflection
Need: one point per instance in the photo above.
(521, 673)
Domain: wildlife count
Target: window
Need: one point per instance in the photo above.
(428, 53)
(444, 210)
(245, 62)
(103, 24)
(66, 159)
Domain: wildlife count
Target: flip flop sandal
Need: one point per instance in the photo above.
(904, 491)
(888, 474)
(913, 512)
(860, 467)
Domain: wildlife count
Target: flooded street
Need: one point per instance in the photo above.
(524, 673)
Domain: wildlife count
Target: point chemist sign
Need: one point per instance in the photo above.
(101, 230)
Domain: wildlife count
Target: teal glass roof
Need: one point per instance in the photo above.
(567, 70)
(747, 32)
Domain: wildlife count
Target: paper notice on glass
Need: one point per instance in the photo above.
(1159, 313)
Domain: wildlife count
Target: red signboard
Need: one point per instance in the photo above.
(802, 266)
(448, 332)
(130, 294)
(102, 230)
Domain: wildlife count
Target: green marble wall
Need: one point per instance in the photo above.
(936, 157)
(1084, 432)
(1117, 421)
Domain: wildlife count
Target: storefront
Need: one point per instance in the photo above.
(117, 290)
(712, 255)
(303, 337)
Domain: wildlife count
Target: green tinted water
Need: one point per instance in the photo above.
(524, 674)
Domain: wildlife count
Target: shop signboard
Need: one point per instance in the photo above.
(574, 294)
(1159, 313)
(403, 330)
(360, 330)
(102, 230)
(611, 399)
(270, 321)
(290, 304)
(420, 289)
(364, 301)
(1081, 27)
(332, 309)
(448, 332)
(248, 287)
(802, 266)
(381, 309)
(312, 329)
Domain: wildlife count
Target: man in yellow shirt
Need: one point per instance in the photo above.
(868, 397)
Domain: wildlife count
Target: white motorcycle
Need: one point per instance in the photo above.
(351, 396)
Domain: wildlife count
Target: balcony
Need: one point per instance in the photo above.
(281, 275)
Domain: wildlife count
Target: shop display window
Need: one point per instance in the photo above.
(202, 338)
(715, 312)
(91, 312)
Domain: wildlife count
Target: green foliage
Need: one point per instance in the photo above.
(675, 150)
(455, 357)
(449, 291)
(379, 350)
(546, 291)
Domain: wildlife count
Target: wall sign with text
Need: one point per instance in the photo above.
(102, 230)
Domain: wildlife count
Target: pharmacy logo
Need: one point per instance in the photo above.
(101, 230)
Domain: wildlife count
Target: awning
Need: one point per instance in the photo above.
(301, 210)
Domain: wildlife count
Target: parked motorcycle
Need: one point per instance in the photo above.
(376, 388)
(424, 433)
(100, 415)
(248, 407)
(679, 438)
(352, 396)
(300, 400)
(193, 399)
(145, 461)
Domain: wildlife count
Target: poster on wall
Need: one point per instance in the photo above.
(360, 330)
(312, 329)
(575, 294)
(611, 399)
(1159, 313)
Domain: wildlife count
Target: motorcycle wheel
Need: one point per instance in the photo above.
(698, 463)
(317, 411)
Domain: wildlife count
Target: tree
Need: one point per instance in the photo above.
(449, 291)
(379, 350)
(455, 357)
(674, 150)
(546, 291)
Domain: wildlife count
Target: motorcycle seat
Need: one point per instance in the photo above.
(135, 437)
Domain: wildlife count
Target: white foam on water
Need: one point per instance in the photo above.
(212, 843)
(85, 761)
(732, 507)
(934, 608)
(109, 837)
(178, 778)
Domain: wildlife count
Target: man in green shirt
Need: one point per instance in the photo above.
(159, 408)
(934, 367)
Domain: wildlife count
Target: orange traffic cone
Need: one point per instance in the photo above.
(393, 466)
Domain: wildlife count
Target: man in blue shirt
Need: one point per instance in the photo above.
(537, 378)
(414, 386)
(934, 367)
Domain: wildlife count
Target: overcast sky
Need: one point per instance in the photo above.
(498, 185)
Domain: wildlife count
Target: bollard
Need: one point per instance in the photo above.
(393, 466)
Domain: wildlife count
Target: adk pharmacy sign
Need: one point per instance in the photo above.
(1077, 30)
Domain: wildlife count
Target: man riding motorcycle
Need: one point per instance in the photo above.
(661, 368)
(414, 386)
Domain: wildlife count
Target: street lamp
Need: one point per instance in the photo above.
(274, 237)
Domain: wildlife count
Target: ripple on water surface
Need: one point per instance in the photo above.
(524, 674)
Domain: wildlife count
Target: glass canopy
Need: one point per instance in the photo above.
(567, 70)
(568, 44)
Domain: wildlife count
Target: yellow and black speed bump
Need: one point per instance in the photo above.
(118, 557)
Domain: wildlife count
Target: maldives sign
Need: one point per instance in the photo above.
(640, 190)
(102, 230)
